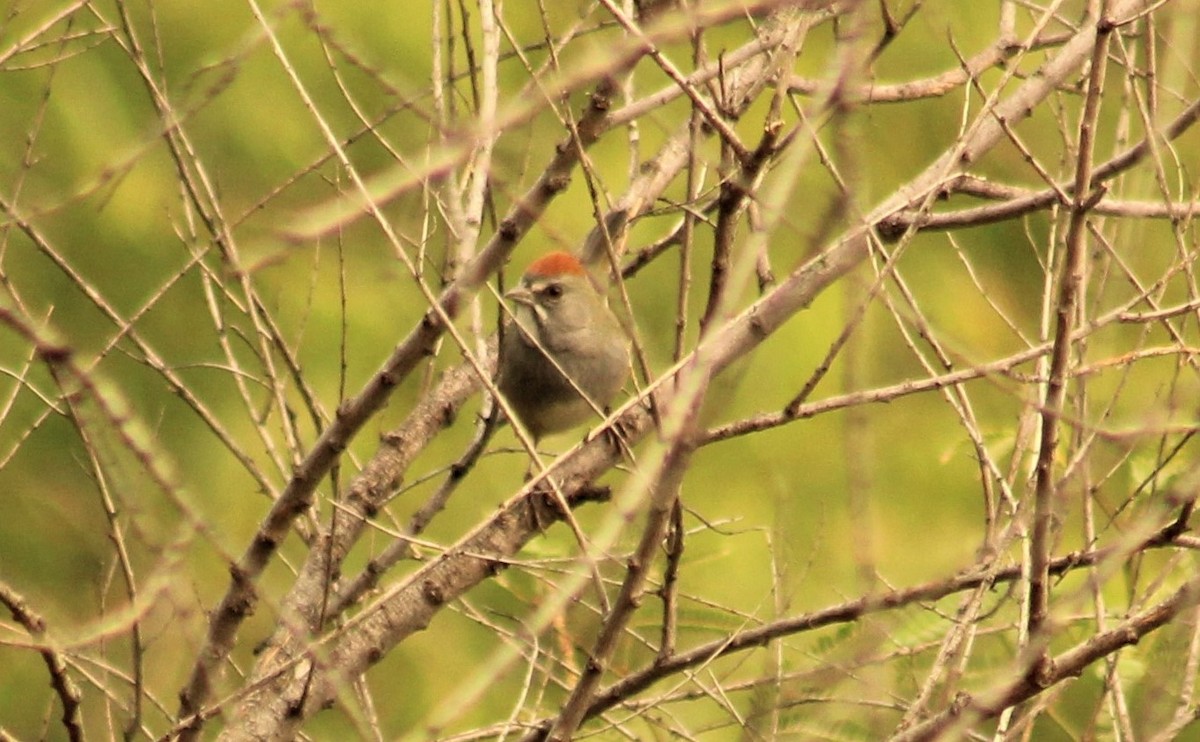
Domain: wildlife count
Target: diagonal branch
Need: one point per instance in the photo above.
(297, 497)
(410, 605)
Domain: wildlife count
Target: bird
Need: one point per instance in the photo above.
(564, 354)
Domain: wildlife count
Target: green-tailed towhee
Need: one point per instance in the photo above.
(560, 312)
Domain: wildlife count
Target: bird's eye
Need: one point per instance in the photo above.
(553, 291)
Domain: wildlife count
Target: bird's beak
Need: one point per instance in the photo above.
(520, 295)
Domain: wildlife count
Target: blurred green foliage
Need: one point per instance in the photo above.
(84, 162)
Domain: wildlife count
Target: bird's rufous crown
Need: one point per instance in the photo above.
(556, 264)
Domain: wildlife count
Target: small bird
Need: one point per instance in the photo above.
(560, 313)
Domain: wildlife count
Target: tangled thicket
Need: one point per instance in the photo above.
(249, 279)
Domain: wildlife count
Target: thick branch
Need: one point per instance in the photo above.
(409, 606)
(297, 497)
(1071, 287)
